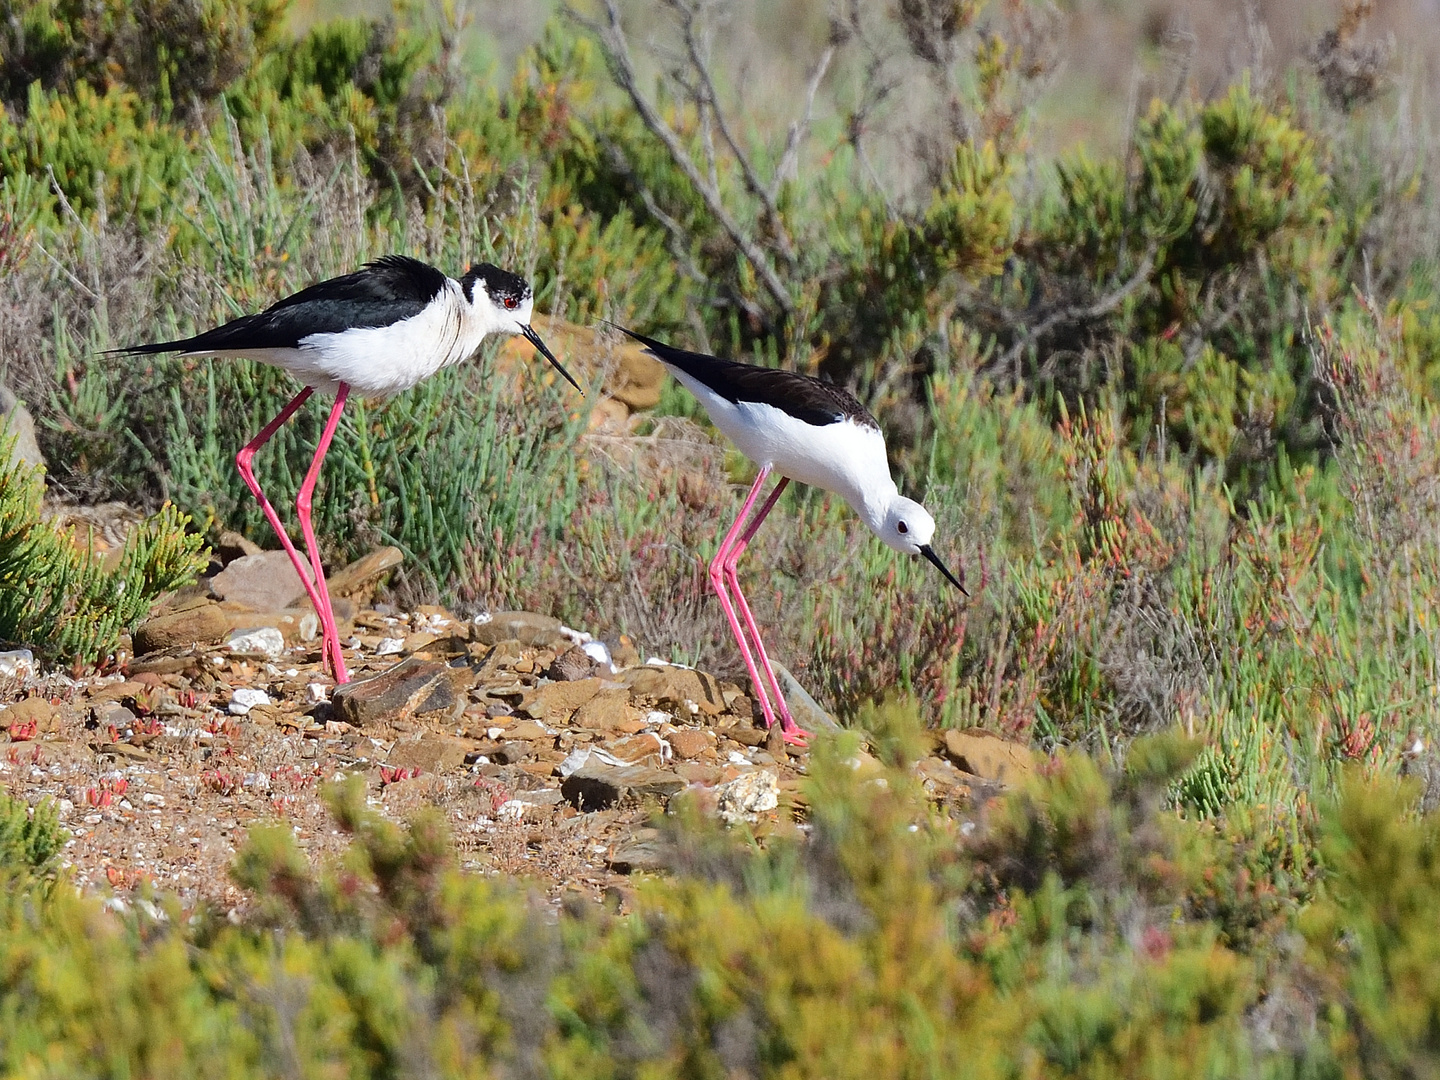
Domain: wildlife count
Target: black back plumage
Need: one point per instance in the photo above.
(386, 291)
(802, 396)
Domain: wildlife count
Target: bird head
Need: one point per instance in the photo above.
(504, 302)
(908, 527)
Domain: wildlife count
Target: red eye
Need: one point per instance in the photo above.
(511, 303)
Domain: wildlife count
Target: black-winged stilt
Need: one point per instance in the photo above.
(806, 430)
(378, 331)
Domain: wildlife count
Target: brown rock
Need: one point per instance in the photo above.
(677, 687)
(989, 756)
(574, 663)
(597, 787)
(37, 710)
(409, 688)
(748, 736)
(526, 731)
(359, 580)
(556, 702)
(526, 627)
(689, 743)
(609, 710)
(430, 753)
(264, 582)
(633, 748)
(204, 624)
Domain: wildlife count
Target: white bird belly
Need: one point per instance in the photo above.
(844, 457)
(377, 361)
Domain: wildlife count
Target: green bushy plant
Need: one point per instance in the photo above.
(60, 597)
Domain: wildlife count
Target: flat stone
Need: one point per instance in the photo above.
(264, 582)
(359, 580)
(643, 851)
(677, 687)
(203, 624)
(556, 702)
(689, 743)
(406, 690)
(609, 710)
(598, 787)
(430, 753)
(36, 710)
(988, 756)
(526, 627)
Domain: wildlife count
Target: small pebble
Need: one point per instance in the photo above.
(264, 639)
(246, 698)
(390, 646)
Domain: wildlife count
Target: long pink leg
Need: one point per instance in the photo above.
(793, 732)
(331, 646)
(247, 472)
(718, 582)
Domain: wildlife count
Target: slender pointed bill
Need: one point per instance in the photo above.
(929, 553)
(534, 339)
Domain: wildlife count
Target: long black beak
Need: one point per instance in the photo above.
(534, 339)
(929, 553)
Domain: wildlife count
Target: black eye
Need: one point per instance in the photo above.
(903, 528)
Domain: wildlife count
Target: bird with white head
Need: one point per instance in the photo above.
(806, 430)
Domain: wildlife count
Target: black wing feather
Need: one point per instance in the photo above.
(386, 291)
(802, 396)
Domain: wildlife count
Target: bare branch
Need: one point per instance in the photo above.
(787, 169)
(700, 61)
(611, 36)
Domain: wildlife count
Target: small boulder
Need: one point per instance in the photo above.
(408, 689)
(202, 624)
(598, 787)
(264, 582)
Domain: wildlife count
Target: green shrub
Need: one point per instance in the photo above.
(59, 596)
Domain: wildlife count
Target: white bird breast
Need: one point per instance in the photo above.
(381, 360)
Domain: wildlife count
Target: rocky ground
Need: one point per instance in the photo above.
(549, 753)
